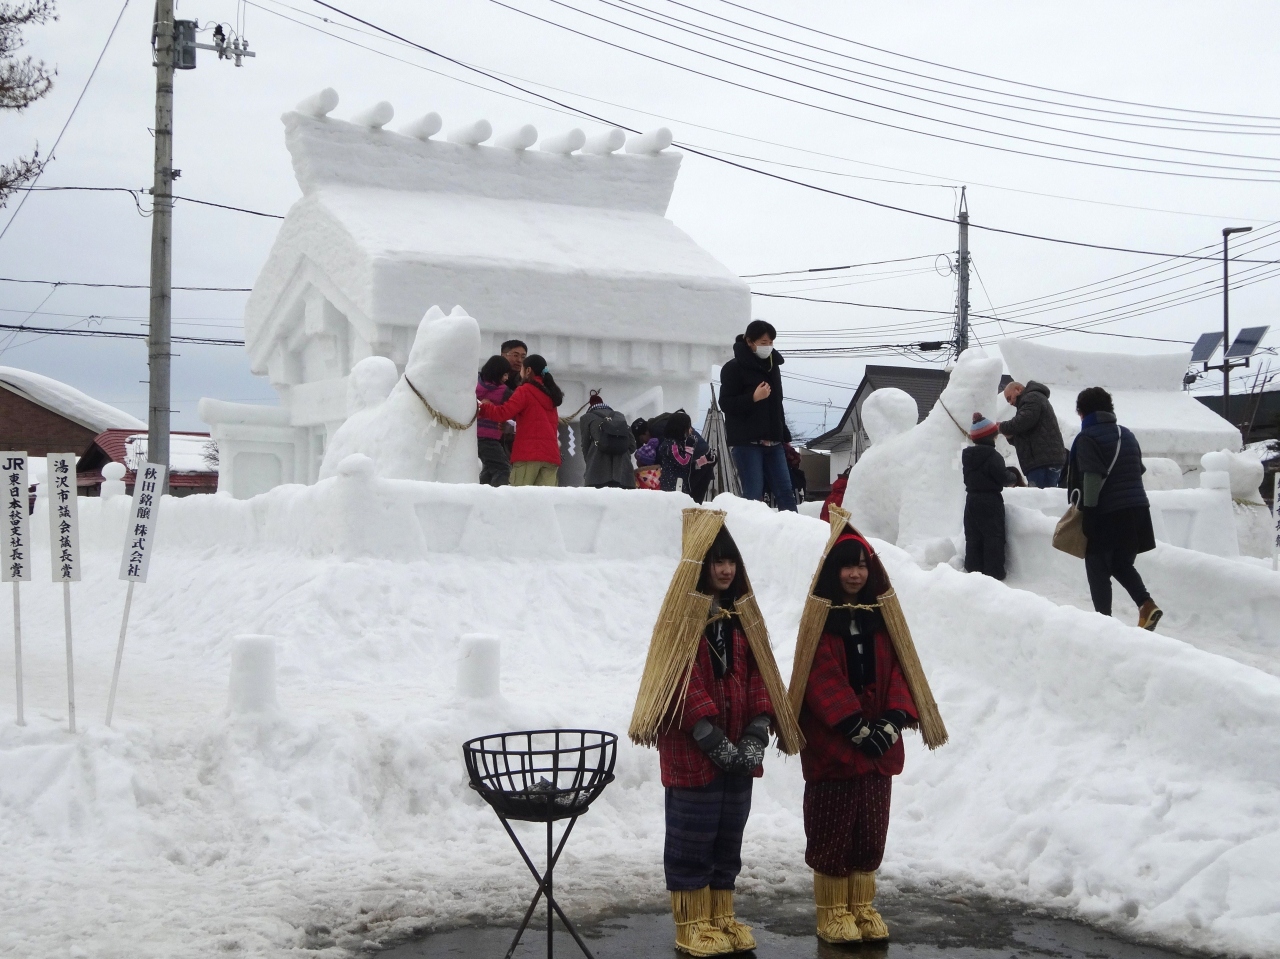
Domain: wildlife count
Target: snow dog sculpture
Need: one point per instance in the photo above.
(907, 488)
(424, 427)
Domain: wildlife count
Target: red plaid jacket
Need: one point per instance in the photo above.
(729, 702)
(829, 699)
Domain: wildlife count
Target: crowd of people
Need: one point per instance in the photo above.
(518, 422)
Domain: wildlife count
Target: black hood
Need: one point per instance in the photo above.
(747, 356)
(1034, 387)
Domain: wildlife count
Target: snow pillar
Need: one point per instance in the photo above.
(113, 480)
(479, 666)
(253, 676)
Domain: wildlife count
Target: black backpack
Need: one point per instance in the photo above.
(614, 434)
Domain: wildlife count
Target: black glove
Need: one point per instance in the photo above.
(712, 741)
(884, 733)
(752, 744)
(855, 729)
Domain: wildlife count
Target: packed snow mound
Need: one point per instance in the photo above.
(907, 488)
(370, 382)
(1094, 769)
(888, 412)
(67, 400)
(405, 435)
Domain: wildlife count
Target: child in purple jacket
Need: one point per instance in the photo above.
(491, 387)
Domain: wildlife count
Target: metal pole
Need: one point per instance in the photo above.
(115, 675)
(1226, 325)
(962, 303)
(159, 345)
(71, 673)
(551, 863)
(17, 649)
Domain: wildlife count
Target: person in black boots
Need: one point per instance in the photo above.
(984, 479)
(751, 397)
(1104, 477)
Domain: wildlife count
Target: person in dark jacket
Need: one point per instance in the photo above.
(984, 479)
(1034, 433)
(491, 387)
(608, 443)
(751, 397)
(535, 456)
(678, 453)
(1104, 477)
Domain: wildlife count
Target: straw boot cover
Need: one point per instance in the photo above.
(835, 922)
(722, 918)
(862, 891)
(695, 935)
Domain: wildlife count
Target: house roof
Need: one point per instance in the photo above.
(923, 384)
(187, 463)
(66, 401)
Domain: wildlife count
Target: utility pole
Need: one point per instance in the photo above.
(962, 268)
(159, 344)
(1226, 323)
(175, 49)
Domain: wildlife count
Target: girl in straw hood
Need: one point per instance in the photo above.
(709, 697)
(857, 684)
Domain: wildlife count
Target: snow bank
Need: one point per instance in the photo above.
(1094, 769)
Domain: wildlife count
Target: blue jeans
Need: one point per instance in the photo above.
(758, 465)
(1045, 477)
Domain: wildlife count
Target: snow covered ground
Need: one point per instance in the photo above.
(1094, 769)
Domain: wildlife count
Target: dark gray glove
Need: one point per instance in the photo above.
(752, 744)
(884, 733)
(715, 744)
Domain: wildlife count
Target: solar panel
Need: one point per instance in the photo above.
(1247, 341)
(1205, 347)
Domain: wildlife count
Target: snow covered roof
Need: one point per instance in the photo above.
(1147, 390)
(66, 401)
(544, 242)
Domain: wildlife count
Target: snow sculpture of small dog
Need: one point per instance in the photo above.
(908, 488)
(404, 438)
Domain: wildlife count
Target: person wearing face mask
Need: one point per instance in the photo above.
(751, 397)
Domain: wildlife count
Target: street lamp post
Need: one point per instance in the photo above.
(1226, 331)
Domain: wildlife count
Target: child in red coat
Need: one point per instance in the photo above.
(856, 704)
(535, 456)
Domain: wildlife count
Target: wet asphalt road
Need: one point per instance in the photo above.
(921, 928)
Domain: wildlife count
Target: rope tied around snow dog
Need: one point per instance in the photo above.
(952, 418)
(447, 421)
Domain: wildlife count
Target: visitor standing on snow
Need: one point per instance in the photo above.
(755, 426)
(857, 683)
(491, 387)
(1104, 478)
(677, 453)
(984, 481)
(607, 445)
(1034, 433)
(709, 697)
(535, 455)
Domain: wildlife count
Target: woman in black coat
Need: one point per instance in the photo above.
(754, 424)
(1104, 477)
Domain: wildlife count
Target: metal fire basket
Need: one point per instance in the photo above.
(542, 775)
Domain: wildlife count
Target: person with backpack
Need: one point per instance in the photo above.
(491, 387)
(984, 482)
(535, 455)
(607, 445)
(754, 421)
(677, 453)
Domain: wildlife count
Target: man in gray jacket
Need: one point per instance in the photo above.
(607, 445)
(1034, 433)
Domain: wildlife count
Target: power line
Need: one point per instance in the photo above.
(127, 286)
(136, 193)
(113, 334)
(70, 117)
(849, 266)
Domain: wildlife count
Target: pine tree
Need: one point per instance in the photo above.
(23, 81)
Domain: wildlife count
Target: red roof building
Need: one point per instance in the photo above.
(192, 458)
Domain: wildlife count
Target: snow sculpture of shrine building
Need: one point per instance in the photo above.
(566, 247)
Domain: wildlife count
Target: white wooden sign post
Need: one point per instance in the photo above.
(16, 566)
(139, 535)
(64, 551)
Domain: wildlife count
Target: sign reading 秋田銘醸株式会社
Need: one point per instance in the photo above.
(140, 534)
(64, 518)
(17, 533)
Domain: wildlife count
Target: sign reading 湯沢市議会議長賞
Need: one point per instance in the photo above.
(64, 518)
(17, 533)
(141, 531)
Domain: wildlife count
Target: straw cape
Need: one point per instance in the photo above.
(674, 644)
(814, 618)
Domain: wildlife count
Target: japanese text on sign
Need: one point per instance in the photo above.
(17, 533)
(64, 518)
(141, 530)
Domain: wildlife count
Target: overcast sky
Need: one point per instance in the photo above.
(229, 145)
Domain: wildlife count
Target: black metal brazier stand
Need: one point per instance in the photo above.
(542, 775)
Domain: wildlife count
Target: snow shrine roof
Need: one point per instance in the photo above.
(546, 241)
(66, 401)
(1147, 391)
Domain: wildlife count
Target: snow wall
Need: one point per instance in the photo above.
(1094, 769)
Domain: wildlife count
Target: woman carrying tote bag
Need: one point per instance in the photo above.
(1104, 480)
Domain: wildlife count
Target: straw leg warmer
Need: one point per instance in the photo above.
(722, 918)
(862, 891)
(695, 935)
(835, 922)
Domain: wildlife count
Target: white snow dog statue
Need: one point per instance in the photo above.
(908, 488)
(412, 431)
